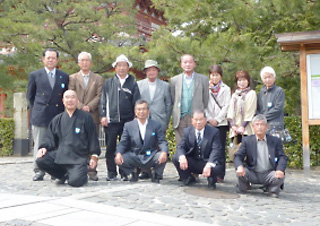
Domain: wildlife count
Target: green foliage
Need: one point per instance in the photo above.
(239, 35)
(170, 136)
(294, 149)
(6, 136)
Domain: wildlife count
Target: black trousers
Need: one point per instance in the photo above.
(77, 173)
(113, 134)
(223, 137)
(196, 165)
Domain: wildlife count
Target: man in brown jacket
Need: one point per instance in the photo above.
(88, 87)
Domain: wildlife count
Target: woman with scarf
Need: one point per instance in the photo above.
(219, 99)
(242, 107)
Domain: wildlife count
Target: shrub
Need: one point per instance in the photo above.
(6, 136)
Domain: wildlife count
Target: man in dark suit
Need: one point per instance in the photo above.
(199, 152)
(69, 144)
(260, 160)
(88, 86)
(142, 145)
(45, 89)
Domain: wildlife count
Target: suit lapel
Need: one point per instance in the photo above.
(136, 133)
(81, 81)
(147, 135)
(205, 139)
(255, 149)
(157, 89)
(196, 84)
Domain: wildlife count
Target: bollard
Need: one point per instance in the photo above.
(20, 116)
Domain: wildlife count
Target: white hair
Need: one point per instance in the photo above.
(267, 69)
(84, 53)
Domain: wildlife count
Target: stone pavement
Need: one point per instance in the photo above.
(24, 202)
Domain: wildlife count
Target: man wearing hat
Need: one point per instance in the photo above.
(157, 93)
(119, 95)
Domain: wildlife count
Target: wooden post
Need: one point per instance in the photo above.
(2, 100)
(304, 111)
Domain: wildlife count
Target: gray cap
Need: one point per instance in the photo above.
(151, 63)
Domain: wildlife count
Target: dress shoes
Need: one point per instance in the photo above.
(191, 179)
(211, 184)
(134, 177)
(93, 176)
(124, 178)
(38, 177)
(62, 180)
(155, 178)
(111, 177)
(144, 175)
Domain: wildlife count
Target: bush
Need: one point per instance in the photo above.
(294, 149)
(6, 136)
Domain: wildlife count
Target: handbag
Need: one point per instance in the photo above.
(233, 148)
(283, 134)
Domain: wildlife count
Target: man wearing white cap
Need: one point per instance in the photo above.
(119, 95)
(157, 93)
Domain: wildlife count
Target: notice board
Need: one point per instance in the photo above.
(313, 74)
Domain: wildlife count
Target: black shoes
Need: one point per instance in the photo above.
(63, 179)
(93, 176)
(144, 175)
(134, 177)
(38, 177)
(211, 183)
(111, 176)
(190, 180)
(124, 178)
(155, 178)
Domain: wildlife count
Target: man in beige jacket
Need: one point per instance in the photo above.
(88, 87)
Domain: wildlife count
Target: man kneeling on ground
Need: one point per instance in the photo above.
(199, 152)
(70, 141)
(260, 160)
(142, 145)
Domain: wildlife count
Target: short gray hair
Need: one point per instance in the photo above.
(199, 111)
(84, 53)
(141, 101)
(267, 69)
(259, 117)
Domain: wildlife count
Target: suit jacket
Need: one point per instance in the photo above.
(46, 102)
(200, 95)
(248, 149)
(211, 150)
(89, 95)
(160, 106)
(131, 141)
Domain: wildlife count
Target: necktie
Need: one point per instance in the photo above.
(199, 138)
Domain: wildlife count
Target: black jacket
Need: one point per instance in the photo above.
(116, 102)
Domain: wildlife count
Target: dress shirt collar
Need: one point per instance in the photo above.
(53, 71)
(201, 133)
(142, 128)
(83, 75)
(122, 80)
(264, 139)
(188, 77)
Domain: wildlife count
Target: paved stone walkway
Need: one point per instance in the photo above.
(299, 203)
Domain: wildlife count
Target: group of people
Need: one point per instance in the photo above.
(135, 116)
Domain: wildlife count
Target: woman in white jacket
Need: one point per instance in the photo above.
(219, 99)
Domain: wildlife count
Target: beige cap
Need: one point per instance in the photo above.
(151, 63)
